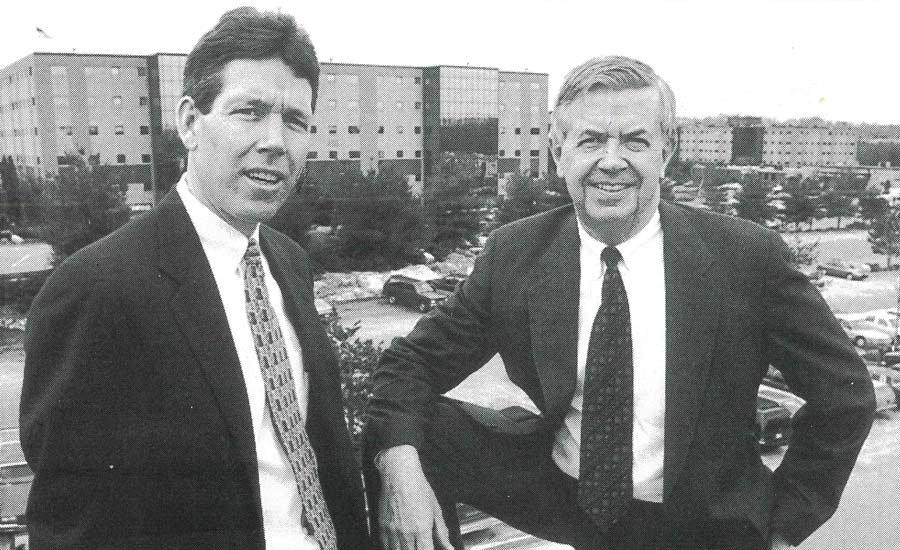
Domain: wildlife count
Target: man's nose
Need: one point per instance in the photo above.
(272, 139)
(612, 162)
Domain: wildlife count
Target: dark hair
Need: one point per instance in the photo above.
(247, 33)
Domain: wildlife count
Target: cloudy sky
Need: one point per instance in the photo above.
(836, 59)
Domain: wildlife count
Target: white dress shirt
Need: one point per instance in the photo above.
(224, 247)
(643, 275)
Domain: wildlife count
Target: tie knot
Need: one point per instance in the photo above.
(252, 253)
(611, 257)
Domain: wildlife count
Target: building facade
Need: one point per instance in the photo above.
(119, 111)
(752, 141)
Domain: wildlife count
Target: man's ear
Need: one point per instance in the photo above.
(187, 118)
(669, 152)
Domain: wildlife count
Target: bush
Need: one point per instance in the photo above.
(357, 360)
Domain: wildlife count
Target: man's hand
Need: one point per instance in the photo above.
(410, 517)
(778, 542)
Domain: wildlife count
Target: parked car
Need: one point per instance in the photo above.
(785, 398)
(816, 275)
(326, 310)
(399, 289)
(889, 376)
(15, 479)
(773, 423)
(884, 319)
(844, 269)
(447, 282)
(865, 335)
(885, 398)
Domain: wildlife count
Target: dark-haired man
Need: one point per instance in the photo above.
(641, 330)
(180, 391)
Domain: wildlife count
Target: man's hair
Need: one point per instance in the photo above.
(247, 33)
(613, 72)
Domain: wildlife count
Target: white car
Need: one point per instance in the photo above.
(866, 335)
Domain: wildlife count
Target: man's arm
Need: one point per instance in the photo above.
(445, 346)
(807, 344)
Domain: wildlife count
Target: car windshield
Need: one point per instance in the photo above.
(423, 287)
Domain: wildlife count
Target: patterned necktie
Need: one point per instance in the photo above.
(604, 483)
(281, 398)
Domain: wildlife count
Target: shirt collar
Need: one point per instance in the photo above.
(591, 248)
(224, 244)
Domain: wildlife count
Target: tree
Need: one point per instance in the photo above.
(884, 229)
(452, 209)
(80, 206)
(716, 199)
(838, 205)
(526, 196)
(10, 195)
(798, 208)
(302, 209)
(753, 201)
(380, 224)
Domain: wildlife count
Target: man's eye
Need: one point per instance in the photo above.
(247, 112)
(297, 123)
(589, 142)
(637, 145)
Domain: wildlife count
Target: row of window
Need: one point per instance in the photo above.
(518, 131)
(518, 153)
(120, 158)
(17, 105)
(333, 155)
(94, 130)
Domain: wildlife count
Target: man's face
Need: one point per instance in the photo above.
(246, 154)
(612, 158)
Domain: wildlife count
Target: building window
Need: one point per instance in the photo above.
(120, 158)
(145, 158)
(399, 129)
(352, 129)
(353, 154)
(518, 131)
(419, 154)
(332, 104)
(399, 154)
(418, 177)
(92, 130)
(35, 131)
(502, 152)
(64, 129)
(120, 130)
(33, 102)
(329, 77)
(145, 130)
(535, 131)
(312, 155)
(417, 129)
(503, 129)
(117, 100)
(142, 102)
(418, 104)
(417, 80)
(518, 153)
(114, 71)
(313, 129)
(535, 153)
(332, 155)
(142, 71)
(332, 129)
(381, 129)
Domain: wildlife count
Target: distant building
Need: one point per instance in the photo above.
(114, 109)
(751, 141)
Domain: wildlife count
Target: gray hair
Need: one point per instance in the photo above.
(613, 72)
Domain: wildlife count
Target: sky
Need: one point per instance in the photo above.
(835, 59)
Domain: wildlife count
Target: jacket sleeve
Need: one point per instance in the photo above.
(449, 343)
(70, 341)
(807, 344)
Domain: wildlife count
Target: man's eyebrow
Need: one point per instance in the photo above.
(634, 134)
(594, 134)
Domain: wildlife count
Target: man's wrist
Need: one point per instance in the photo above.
(397, 457)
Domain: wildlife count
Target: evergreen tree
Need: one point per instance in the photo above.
(753, 201)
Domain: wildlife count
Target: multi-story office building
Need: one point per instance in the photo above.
(753, 141)
(115, 109)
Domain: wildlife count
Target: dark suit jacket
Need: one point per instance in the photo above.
(134, 413)
(733, 306)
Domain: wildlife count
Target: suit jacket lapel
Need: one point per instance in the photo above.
(553, 310)
(198, 311)
(692, 312)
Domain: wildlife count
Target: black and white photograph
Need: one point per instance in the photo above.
(535, 275)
